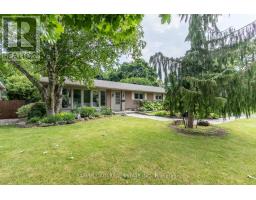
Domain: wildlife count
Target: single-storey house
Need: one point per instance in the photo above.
(2, 88)
(116, 95)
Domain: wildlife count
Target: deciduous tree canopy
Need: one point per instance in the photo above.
(76, 47)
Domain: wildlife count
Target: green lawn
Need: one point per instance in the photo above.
(125, 150)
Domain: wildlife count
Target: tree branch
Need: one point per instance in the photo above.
(32, 79)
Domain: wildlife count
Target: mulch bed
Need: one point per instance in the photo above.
(201, 131)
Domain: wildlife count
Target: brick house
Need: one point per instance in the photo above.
(118, 96)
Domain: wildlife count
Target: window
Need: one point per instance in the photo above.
(66, 97)
(87, 97)
(77, 98)
(95, 98)
(103, 98)
(158, 97)
(138, 96)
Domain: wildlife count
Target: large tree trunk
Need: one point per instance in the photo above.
(58, 98)
(190, 120)
(54, 97)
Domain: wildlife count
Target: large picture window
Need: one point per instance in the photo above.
(95, 98)
(87, 97)
(77, 98)
(66, 97)
(102, 98)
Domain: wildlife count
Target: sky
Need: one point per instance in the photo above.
(170, 38)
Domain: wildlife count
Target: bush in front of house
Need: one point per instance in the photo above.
(63, 117)
(24, 110)
(104, 110)
(151, 106)
(32, 110)
(37, 110)
(87, 112)
(34, 120)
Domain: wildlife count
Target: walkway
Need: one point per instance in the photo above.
(212, 121)
(150, 117)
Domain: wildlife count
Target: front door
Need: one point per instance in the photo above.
(116, 100)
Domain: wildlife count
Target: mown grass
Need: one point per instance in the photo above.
(126, 150)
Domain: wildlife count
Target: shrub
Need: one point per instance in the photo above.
(34, 120)
(105, 110)
(87, 111)
(20, 88)
(213, 116)
(162, 113)
(65, 117)
(51, 119)
(151, 106)
(24, 110)
(76, 110)
(37, 110)
(97, 114)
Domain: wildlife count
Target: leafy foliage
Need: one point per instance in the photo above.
(211, 80)
(137, 80)
(138, 72)
(18, 87)
(37, 110)
(24, 110)
(65, 117)
(164, 65)
(77, 47)
(87, 111)
(162, 113)
(151, 106)
(104, 110)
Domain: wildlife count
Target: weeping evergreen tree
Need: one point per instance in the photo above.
(215, 75)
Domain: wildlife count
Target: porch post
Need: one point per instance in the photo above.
(91, 102)
(82, 97)
(72, 98)
(99, 93)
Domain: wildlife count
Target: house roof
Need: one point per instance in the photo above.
(1, 86)
(114, 85)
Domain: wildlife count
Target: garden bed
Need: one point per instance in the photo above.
(34, 115)
(200, 130)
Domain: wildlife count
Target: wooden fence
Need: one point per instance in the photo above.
(8, 109)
